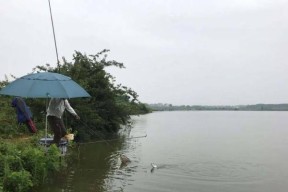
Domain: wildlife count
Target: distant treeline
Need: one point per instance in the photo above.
(256, 107)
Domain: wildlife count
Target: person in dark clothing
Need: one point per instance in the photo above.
(24, 115)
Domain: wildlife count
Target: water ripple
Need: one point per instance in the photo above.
(226, 171)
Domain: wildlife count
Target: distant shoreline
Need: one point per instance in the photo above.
(256, 107)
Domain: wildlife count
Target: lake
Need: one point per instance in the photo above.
(195, 151)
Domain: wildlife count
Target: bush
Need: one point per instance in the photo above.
(26, 165)
(34, 161)
(18, 181)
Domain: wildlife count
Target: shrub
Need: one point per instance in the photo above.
(34, 161)
(24, 165)
(18, 181)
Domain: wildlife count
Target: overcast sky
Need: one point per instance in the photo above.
(192, 52)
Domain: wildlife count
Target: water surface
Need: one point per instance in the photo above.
(201, 151)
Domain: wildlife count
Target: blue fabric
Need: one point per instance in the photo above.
(23, 111)
(44, 85)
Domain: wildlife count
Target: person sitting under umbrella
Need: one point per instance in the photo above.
(24, 114)
(55, 111)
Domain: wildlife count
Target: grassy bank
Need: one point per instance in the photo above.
(25, 165)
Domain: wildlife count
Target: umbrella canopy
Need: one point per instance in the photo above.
(44, 85)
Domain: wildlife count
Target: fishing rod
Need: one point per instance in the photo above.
(54, 35)
(95, 132)
(113, 140)
(124, 159)
(102, 137)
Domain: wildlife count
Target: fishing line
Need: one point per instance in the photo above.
(91, 130)
(102, 137)
(104, 140)
(113, 139)
(95, 133)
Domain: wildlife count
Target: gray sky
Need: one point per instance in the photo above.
(193, 52)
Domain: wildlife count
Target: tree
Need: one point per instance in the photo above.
(110, 105)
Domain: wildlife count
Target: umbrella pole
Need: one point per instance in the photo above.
(46, 132)
(46, 124)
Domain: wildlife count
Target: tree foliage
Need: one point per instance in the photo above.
(110, 105)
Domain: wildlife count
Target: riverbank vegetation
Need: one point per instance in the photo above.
(25, 165)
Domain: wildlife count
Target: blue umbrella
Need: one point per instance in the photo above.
(44, 85)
